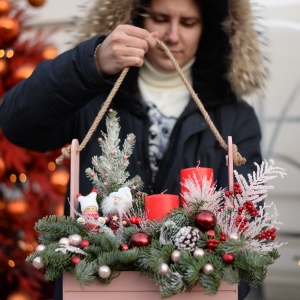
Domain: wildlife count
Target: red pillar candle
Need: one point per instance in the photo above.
(157, 206)
(196, 174)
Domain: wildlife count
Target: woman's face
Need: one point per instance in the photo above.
(179, 25)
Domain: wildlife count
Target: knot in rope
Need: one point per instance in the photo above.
(66, 153)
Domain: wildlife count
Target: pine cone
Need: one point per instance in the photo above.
(187, 237)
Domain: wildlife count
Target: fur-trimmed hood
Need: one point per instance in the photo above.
(238, 53)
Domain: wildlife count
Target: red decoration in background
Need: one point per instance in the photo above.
(29, 187)
(36, 3)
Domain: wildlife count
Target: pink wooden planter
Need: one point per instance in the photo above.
(130, 285)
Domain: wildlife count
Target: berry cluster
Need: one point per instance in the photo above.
(236, 190)
(269, 234)
(248, 207)
(212, 244)
(223, 237)
(135, 220)
(241, 223)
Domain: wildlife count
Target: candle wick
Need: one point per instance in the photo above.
(198, 164)
(164, 191)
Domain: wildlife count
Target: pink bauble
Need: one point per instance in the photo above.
(75, 260)
(84, 243)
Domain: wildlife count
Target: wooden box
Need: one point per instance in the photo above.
(130, 285)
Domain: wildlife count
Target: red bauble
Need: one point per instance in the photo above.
(228, 258)
(132, 220)
(124, 247)
(84, 243)
(140, 239)
(205, 220)
(75, 260)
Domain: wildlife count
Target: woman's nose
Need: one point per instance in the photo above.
(172, 33)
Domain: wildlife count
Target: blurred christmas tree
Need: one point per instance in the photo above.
(31, 186)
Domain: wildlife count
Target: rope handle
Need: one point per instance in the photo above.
(237, 158)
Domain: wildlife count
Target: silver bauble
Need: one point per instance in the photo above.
(175, 256)
(163, 269)
(40, 248)
(199, 252)
(38, 263)
(63, 242)
(234, 236)
(208, 268)
(75, 239)
(104, 271)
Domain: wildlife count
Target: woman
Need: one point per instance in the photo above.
(213, 42)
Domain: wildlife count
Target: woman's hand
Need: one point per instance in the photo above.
(124, 47)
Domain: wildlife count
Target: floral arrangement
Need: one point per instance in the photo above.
(216, 235)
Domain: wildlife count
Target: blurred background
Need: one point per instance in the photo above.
(32, 186)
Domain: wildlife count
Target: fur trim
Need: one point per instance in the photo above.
(246, 72)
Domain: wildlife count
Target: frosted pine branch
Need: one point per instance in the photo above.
(255, 189)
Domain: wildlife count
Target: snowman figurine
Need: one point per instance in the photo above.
(116, 207)
(89, 211)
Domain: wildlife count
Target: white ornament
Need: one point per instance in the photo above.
(40, 248)
(175, 256)
(104, 271)
(63, 242)
(38, 262)
(208, 269)
(199, 252)
(164, 269)
(75, 239)
(234, 236)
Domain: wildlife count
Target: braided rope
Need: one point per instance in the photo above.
(237, 158)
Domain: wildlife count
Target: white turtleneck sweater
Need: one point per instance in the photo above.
(166, 97)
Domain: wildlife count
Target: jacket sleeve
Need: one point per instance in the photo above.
(38, 112)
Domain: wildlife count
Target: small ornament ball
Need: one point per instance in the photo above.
(40, 248)
(199, 252)
(163, 268)
(124, 247)
(38, 262)
(104, 272)
(205, 220)
(63, 242)
(140, 239)
(84, 243)
(234, 236)
(208, 269)
(75, 239)
(75, 260)
(175, 256)
(228, 258)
